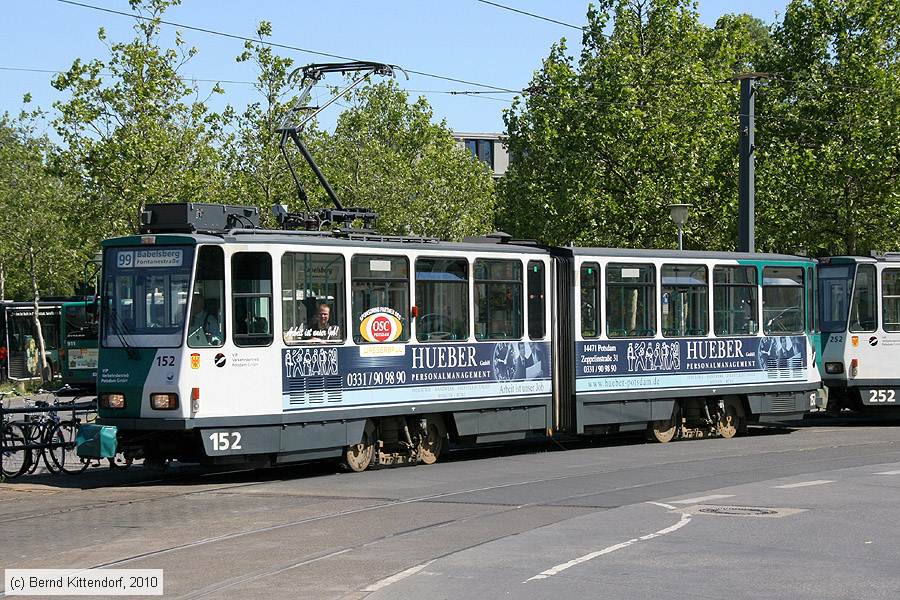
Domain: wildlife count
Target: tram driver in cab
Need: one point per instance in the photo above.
(320, 328)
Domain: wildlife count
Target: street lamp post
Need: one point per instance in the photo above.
(679, 214)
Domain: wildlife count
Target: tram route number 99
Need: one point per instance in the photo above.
(881, 396)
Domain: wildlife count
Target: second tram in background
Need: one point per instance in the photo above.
(860, 322)
(223, 342)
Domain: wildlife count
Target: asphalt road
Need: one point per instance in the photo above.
(804, 513)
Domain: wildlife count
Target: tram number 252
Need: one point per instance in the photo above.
(225, 440)
(882, 396)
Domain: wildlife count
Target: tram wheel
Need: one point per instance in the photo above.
(662, 431)
(432, 440)
(730, 422)
(358, 457)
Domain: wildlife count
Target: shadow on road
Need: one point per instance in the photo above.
(184, 474)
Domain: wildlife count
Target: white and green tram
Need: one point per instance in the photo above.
(860, 321)
(222, 342)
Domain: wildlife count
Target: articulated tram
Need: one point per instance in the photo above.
(223, 342)
(860, 321)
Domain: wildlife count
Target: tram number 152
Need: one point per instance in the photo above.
(881, 396)
(225, 440)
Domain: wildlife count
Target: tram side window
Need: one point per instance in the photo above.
(312, 297)
(735, 294)
(590, 300)
(783, 300)
(498, 299)
(630, 300)
(536, 300)
(380, 288)
(206, 327)
(863, 311)
(251, 297)
(442, 296)
(890, 300)
(684, 305)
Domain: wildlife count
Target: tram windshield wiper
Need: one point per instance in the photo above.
(121, 330)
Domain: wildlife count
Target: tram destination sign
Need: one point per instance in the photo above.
(157, 257)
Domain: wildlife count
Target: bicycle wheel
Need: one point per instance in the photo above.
(53, 441)
(34, 432)
(63, 454)
(14, 461)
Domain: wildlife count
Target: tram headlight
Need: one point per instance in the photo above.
(834, 368)
(112, 400)
(164, 401)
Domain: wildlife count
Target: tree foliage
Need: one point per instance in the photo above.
(829, 129)
(387, 153)
(135, 131)
(646, 118)
(39, 246)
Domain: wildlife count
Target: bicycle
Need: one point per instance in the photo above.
(38, 429)
(60, 435)
(15, 458)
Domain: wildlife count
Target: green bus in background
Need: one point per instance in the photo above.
(78, 344)
(19, 347)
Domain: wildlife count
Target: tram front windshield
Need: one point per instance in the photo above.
(145, 293)
(835, 286)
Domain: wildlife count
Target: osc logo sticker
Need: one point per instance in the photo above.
(220, 360)
(873, 341)
(380, 324)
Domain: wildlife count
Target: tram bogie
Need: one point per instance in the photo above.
(274, 347)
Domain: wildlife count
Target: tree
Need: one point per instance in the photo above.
(35, 211)
(135, 130)
(828, 133)
(386, 153)
(647, 117)
(258, 172)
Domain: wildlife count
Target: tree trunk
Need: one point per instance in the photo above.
(2, 282)
(46, 372)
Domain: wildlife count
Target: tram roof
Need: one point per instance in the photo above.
(478, 245)
(327, 239)
(695, 254)
(874, 258)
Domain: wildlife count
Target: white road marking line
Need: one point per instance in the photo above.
(663, 504)
(685, 519)
(803, 484)
(888, 473)
(699, 499)
(396, 577)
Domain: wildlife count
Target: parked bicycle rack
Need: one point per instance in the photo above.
(46, 432)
